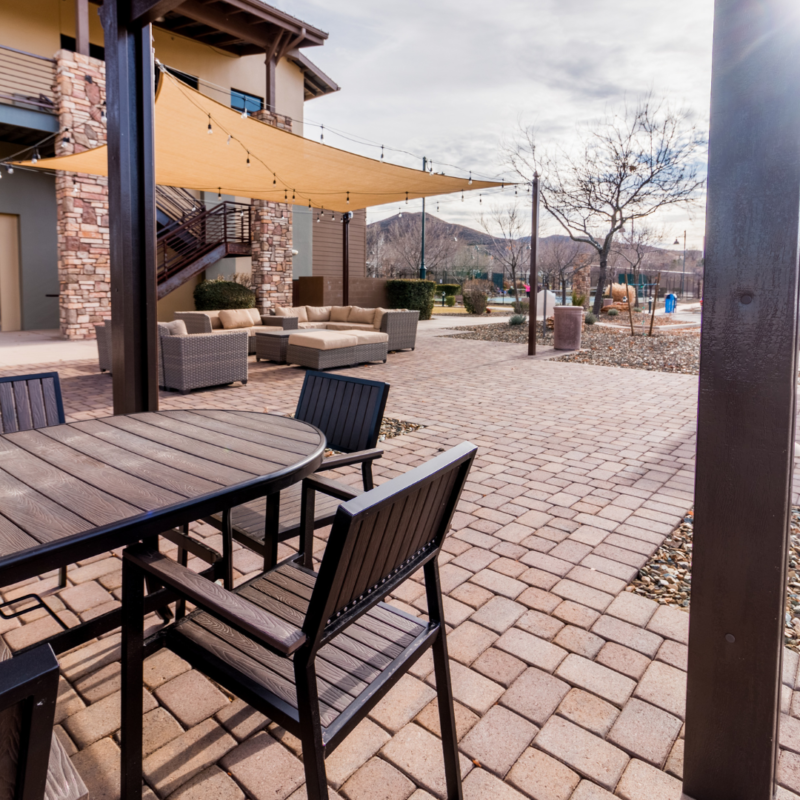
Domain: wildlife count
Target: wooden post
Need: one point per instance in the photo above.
(346, 258)
(269, 94)
(82, 27)
(746, 413)
(534, 259)
(630, 307)
(655, 303)
(132, 210)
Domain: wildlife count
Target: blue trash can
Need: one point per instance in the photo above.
(670, 302)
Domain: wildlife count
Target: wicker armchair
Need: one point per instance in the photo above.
(196, 361)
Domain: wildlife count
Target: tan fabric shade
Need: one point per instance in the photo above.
(308, 171)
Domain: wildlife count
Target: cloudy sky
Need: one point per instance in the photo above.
(453, 79)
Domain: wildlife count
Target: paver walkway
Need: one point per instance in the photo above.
(568, 688)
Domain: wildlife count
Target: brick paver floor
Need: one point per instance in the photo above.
(567, 687)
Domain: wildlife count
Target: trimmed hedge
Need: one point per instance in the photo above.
(415, 295)
(450, 289)
(218, 295)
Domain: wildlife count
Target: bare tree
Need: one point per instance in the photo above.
(403, 241)
(558, 257)
(510, 248)
(376, 251)
(628, 167)
(636, 247)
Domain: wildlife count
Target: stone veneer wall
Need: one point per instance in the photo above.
(82, 200)
(581, 282)
(272, 240)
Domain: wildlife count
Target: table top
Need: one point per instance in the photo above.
(276, 332)
(72, 491)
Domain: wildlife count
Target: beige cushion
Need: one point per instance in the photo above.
(293, 311)
(370, 337)
(340, 313)
(255, 315)
(312, 325)
(363, 316)
(323, 340)
(379, 312)
(176, 327)
(318, 313)
(235, 318)
(348, 326)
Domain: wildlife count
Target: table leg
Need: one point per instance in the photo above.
(271, 523)
(227, 550)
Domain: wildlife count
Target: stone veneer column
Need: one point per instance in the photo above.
(581, 282)
(82, 200)
(272, 240)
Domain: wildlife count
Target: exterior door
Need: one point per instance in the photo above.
(10, 307)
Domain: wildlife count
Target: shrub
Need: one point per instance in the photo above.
(415, 295)
(450, 300)
(522, 306)
(450, 289)
(613, 312)
(578, 299)
(221, 294)
(476, 295)
(518, 319)
(590, 318)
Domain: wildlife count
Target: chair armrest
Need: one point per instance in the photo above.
(287, 323)
(345, 459)
(196, 321)
(227, 343)
(270, 630)
(341, 491)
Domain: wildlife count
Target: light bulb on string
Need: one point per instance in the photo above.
(333, 216)
(248, 158)
(348, 198)
(229, 139)
(244, 113)
(322, 133)
(309, 205)
(210, 129)
(219, 193)
(35, 156)
(274, 179)
(9, 169)
(381, 152)
(470, 177)
(406, 198)
(462, 195)
(480, 199)
(285, 194)
(292, 194)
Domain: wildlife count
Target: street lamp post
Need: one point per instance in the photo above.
(422, 271)
(683, 273)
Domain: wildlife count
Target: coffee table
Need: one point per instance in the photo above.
(271, 345)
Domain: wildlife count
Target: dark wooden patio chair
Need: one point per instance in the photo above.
(315, 652)
(33, 762)
(29, 402)
(349, 412)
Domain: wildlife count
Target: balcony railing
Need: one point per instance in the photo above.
(26, 80)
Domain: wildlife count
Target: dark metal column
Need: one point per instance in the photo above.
(132, 213)
(346, 257)
(534, 259)
(746, 416)
(423, 273)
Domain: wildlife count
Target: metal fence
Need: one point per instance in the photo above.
(26, 80)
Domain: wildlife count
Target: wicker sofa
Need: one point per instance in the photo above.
(400, 325)
(212, 322)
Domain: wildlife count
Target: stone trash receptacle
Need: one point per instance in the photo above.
(568, 326)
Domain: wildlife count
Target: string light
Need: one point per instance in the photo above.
(274, 179)
(230, 136)
(322, 133)
(244, 113)
(219, 193)
(10, 169)
(292, 194)
(285, 194)
(381, 152)
(348, 198)
(36, 156)
(210, 129)
(406, 198)
(470, 177)
(333, 216)
(248, 158)
(309, 205)
(462, 195)
(319, 214)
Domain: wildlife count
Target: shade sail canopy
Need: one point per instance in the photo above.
(284, 167)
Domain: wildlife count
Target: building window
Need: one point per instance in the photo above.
(242, 100)
(95, 51)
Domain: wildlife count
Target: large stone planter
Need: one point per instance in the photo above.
(568, 326)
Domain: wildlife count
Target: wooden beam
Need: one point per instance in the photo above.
(258, 33)
(82, 27)
(291, 43)
(145, 12)
(746, 412)
(132, 211)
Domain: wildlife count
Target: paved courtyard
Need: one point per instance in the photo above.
(567, 687)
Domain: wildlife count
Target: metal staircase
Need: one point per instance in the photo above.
(192, 237)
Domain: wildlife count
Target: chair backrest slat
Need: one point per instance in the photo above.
(23, 403)
(28, 402)
(347, 410)
(385, 534)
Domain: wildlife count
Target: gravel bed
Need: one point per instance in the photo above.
(391, 427)
(667, 576)
(677, 351)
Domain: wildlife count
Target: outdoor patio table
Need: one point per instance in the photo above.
(74, 491)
